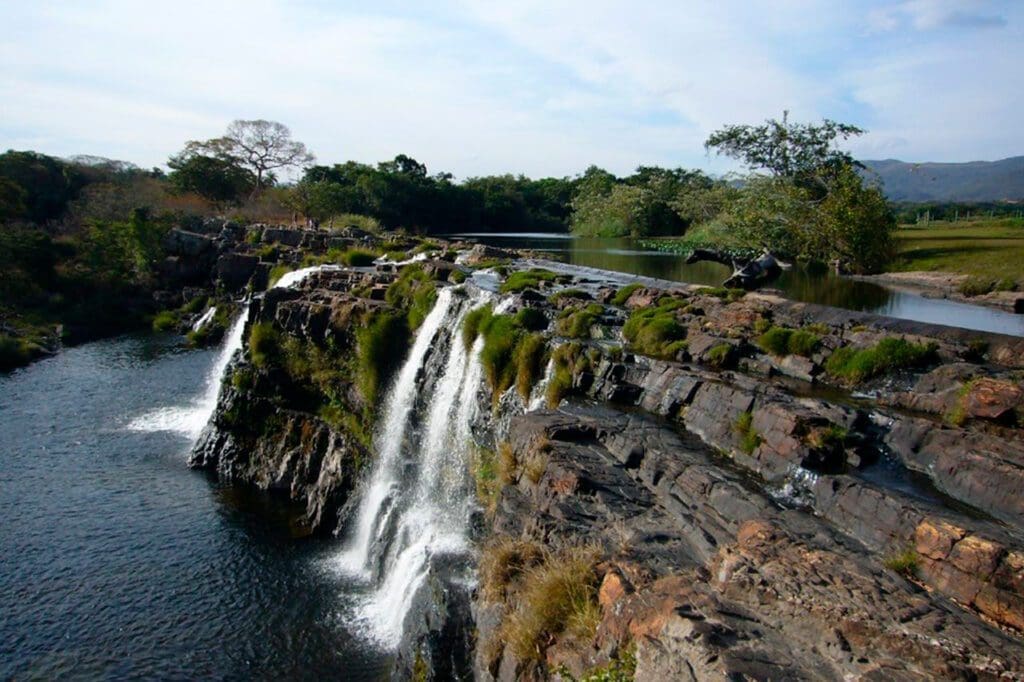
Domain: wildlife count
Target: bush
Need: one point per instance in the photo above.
(575, 323)
(530, 360)
(780, 341)
(749, 437)
(532, 319)
(359, 257)
(855, 366)
(526, 279)
(264, 345)
(414, 291)
(556, 596)
(166, 321)
(623, 294)
(905, 563)
(381, 345)
(654, 331)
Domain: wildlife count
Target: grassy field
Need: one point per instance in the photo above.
(984, 248)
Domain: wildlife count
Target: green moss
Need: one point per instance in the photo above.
(749, 437)
(526, 279)
(415, 292)
(567, 359)
(276, 273)
(889, 354)
(15, 352)
(457, 277)
(243, 380)
(264, 345)
(623, 294)
(655, 332)
(780, 341)
(501, 336)
(195, 305)
(622, 668)
(976, 286)
(381, 345)
(575, 323)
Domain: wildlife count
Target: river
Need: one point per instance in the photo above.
(628, 256)
(118, 562)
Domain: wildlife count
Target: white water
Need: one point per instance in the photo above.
(190, 419)
(538, 396)
(204, 318)
(375, 504)
(403, 533)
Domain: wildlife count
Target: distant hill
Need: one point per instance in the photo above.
(975, 181)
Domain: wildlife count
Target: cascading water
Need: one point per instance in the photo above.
(403, 534)
(190, 419)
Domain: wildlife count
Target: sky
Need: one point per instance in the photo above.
(543, 88)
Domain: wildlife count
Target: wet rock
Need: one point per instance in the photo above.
(234, 270)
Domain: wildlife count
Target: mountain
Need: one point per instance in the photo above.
(974, 181)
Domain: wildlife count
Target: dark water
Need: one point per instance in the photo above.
(626, 255)
(118, 562)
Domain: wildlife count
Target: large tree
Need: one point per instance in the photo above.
(258, 146)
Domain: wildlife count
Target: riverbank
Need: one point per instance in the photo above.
(946, 285)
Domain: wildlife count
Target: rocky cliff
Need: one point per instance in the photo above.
(710, 485)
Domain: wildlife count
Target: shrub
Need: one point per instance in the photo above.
(166, 320)
(264, 344)
(414, 291)
(855, 366)
(529, 359)
(749, 437)
(474, 320)
(1006, 284)
(359, 257)
(905, 563)
(502, 561)
(780, 341)
(532, 319)
(655, 331)
(623, 294)
(526, 279)
(575, 323)
(720, 356)
(501, 336)
(381, 345)
(556, 596)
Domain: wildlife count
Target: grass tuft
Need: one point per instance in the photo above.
(749, 437)
(855, 366)
(526, 279)
(623, 294)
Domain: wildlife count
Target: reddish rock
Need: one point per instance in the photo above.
(992, 399)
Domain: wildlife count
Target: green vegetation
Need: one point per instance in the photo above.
(485, 473)
(532, 319)
(276, 273)
(166, 321)
(503, 561)
(723, 293)
(623, 294)
(526, 279)
(655, 332)
(554, 597)
(510, 353)
(568, 359)
(381, 344)
(15, 352)
(989, 250)
(781, 341)
(575, 322)
(855, 366)
(568, 294)
(622, 668)
(359, 257)
(264, 344)
(721, 355)
(905, 563)
(749, 437)
(414, 291)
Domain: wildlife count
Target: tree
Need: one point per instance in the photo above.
(218, 180)
(805, 152)
(257, 146)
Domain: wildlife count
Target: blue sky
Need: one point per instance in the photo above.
(541, 88)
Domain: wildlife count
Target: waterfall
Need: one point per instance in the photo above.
(190, 419)
(398, 536)
(204, 318)
(538, 396)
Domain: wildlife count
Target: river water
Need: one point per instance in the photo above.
(118, 562)
(628, 256)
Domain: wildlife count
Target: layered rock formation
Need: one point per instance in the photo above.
(843, 506)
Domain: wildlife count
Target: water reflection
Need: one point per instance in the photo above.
(800, 284)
